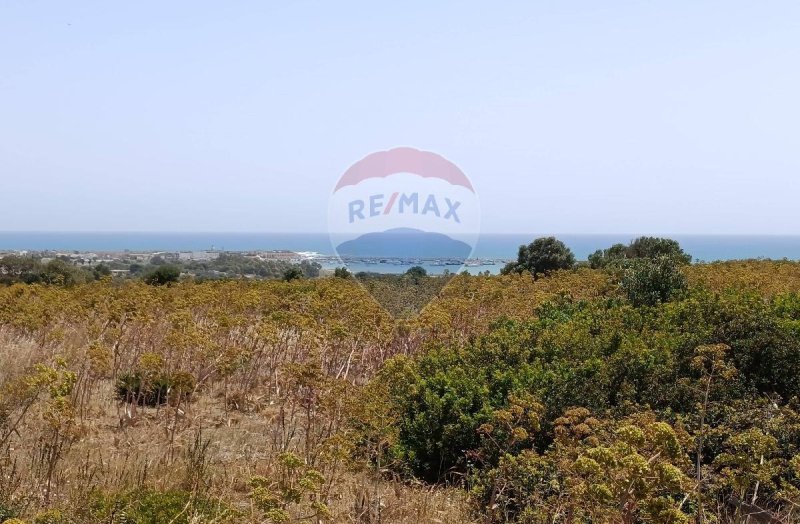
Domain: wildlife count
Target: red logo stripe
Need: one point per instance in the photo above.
(404, 160)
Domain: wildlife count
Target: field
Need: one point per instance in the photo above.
(503, 399)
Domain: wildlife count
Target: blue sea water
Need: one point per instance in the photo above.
(490, 246)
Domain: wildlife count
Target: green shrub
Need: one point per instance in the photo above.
(293, 273)
(6, 513)
(641, 248)
(153, 507)
(647, 282)
(162, 275)
(153, 389)
(450, 393)
(52, 516)
(342, 272)
(541, 257)
(654, 247)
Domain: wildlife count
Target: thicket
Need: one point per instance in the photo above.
(639, 248)
(601, 411)
(506, 399)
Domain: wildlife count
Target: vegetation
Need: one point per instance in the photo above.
(63, 271)
(648, 282)
(162, 275)
(342, 272)
(541, 257)
(144, 506)
(417, 271)
(403, 295)
(229, 265)
(16, 268)
(585, 391)
(293, 273)
(640, 248)
(648, 391)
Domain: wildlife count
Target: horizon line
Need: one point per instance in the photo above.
(482, 233)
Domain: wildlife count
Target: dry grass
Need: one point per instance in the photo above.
(243, 342)
(767, 278)
(121, 447)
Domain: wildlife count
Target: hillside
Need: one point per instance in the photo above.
(506, 399)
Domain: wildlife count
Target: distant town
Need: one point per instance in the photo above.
(117, 259)
(30, 265)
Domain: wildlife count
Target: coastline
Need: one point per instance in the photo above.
(490, 254)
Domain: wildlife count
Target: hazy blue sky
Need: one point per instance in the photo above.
(619, 116)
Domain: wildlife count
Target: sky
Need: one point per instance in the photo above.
(571, 117)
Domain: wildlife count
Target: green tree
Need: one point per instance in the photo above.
(640, 248)
(541, 256)
(293, 273)
(310, 269)
(417, 272)
(654, 247)
(101, 270)
(61, 273)
(605, 257)
(15, 268)
(342, 272)
(647, 282)
(163, 275)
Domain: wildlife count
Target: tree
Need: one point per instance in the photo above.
(640, 248)
(653, 247)
(164, 274)
(417, 272)
(604, 257)
(541, 256)
(62, 273)
(101, 270)
(648, 282)
(310, 269)
(15, 268)
(342, 272)
(293, 273)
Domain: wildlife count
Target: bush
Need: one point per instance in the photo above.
(641, 248)
(153, 389)
(647, 282)
(654, 247)
(541, 257)
(592, 371)
(310, 269)
(449, 394)
(6, 514)
(163, 275)
(606, 257)
(293, 273)
(62, 273)
(100, 271)
(154, 507)
(417, 272)
(52, 516)
(342, 272)
(29, 270)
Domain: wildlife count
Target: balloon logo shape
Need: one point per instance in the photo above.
(404, 208)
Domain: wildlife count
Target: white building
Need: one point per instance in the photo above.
(198, 255)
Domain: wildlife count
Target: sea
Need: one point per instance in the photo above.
(492, 250)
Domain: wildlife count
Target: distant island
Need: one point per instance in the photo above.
(405, 242)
